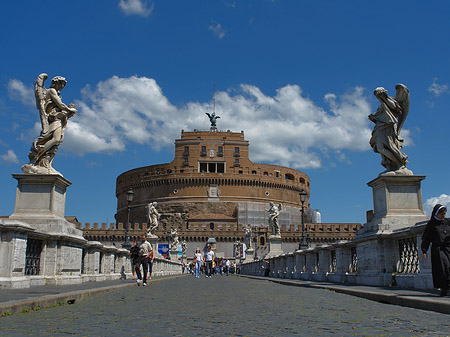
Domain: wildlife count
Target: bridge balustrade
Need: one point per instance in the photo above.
(383, 259)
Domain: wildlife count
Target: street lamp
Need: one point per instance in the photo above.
(127, 243)
(303, 243)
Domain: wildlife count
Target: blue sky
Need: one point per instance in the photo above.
(296, 76)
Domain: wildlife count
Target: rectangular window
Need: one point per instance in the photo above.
(203, 167)
(186, 149)
(277, 174)
(211, 167)
(236, 161)
(236, 150)
(203, 148)
(220, 150)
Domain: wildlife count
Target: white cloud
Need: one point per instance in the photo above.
(136, 7)
(218, 30)
(287, 128)
(18, 91)
(9, 158)
(443, 199)
(438, 89)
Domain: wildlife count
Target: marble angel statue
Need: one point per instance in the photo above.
(274, 212)
(153, 218)
(173, 233)
(54, 115)
(248, 237)
(389, 119)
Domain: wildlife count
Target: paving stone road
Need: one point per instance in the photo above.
(225, 306)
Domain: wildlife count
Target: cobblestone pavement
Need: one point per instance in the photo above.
(225, 306)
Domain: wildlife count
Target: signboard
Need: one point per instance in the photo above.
(163, 249)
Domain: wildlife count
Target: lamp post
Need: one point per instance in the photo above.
(303, 243)
(127, 243)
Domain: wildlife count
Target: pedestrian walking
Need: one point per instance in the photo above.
(437, 233)
(209, 258)
(146, 250)
(198, 262)
(266, 267)
(220, 266)
(135, 258)
(227, 266)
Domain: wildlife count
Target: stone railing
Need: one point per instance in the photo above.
(102, 262)
(30, 257)
(382, 259)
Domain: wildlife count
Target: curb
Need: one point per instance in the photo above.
(437, 304)
(57, 300)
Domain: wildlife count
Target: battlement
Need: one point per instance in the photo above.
(141, 227)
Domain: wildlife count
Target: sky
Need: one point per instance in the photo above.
(296, 76)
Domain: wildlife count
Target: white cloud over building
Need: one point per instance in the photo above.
(218, 30)
(9, 158)
(438, 89)
(287, 128)
(443, 199)
(18, 91)
(136, 7)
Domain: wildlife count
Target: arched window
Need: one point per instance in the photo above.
(289, 176)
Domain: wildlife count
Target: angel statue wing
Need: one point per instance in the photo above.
(40, 93)
(207, 113)
(402, 98)
(280, 207)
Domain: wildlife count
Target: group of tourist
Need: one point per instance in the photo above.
(209, 265)
(142, 256)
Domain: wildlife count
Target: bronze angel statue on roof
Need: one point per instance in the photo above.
(389, 119)
(54, 115)
(212, 119)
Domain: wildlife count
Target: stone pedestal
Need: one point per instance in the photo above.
(153, 239)
(38, 221)
(173, 254)
(274, 246)
(41, 202)
(397, 202)
(249, 255)
(40, 196)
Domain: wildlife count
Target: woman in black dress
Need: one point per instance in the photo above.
(437, 232)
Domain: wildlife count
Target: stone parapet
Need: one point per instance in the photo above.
(382, 259)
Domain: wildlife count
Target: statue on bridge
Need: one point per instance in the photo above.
(248, 237)
(183, 248)
(389, 119)
(153, 218)
(54, 115)
(173, 234)
(274, 212)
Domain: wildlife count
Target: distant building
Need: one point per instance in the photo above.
(211, 189)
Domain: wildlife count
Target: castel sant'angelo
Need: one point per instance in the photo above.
(212, 190)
